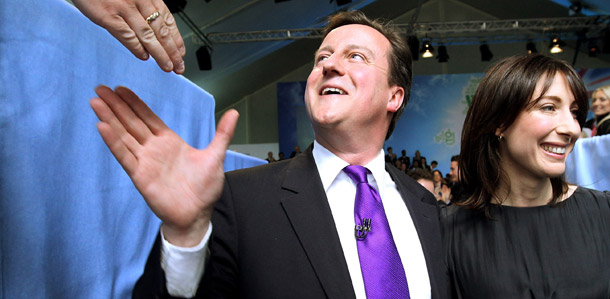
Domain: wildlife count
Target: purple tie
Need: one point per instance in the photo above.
(380, 263)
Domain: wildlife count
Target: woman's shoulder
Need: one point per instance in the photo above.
(586, 199)
(587, 193)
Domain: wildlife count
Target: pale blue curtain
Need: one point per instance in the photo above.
(72, 224)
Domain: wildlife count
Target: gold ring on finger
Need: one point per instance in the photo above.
(152, 17)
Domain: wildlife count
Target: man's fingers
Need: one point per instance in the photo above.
(122, 145)
(224, 132)
(124, 113)
(121, 152)
(150, 119)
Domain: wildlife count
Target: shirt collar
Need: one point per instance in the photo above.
(330, 166)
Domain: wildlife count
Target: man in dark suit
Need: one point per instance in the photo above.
(284, 230)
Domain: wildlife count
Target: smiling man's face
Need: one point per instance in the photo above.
(348, 87)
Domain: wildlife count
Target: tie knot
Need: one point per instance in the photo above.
(357, 173)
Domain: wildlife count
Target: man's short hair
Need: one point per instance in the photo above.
(420, 173)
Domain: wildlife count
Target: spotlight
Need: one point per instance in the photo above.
(413, 43)
(442, 54)
(556, 45)
(531, 48)
(204, 60)
(427, 50)
(486, 54)
(593, 49)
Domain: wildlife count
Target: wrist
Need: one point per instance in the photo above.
(186, 237)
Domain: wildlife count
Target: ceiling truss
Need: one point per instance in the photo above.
(493, 31)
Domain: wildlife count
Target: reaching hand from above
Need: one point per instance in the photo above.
(179, 183)
(138, 27)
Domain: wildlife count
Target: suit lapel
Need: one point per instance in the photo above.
(309, 213)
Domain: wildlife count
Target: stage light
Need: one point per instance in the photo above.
(204, 59)
(486, 54)
(427, 50)
(442, 54)
(556, 45)
(531, 48)
(413, 43)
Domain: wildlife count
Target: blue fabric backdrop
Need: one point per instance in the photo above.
(589, 163)
(72, 224)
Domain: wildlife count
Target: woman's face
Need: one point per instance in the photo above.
(537, 143)
(437, 177)
(601, 103)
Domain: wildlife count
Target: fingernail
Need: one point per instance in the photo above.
(145, 56)
(182, 51)
(169, 66)
(180, 67)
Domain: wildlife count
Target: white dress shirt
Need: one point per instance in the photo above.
(341, 193)
(184, 267)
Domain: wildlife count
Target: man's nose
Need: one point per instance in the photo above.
(333, 65)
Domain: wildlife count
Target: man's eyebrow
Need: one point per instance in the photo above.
(367, 51)
(322, 49)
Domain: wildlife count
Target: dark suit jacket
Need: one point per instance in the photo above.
(274, 237)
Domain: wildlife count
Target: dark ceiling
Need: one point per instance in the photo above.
(239, 69)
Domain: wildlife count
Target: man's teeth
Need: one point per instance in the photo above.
(554, 149)
(331, 90)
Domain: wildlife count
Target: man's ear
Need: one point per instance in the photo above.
(395, 101)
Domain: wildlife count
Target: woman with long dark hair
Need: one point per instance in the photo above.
(522, 231)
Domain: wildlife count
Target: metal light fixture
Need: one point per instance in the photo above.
(486, 54)
(556, 45)
(531, 48)
(427, 50)
(442, 54)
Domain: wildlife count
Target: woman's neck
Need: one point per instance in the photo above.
(523, 193)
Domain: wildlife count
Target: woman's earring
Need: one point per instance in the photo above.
(500, 137)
